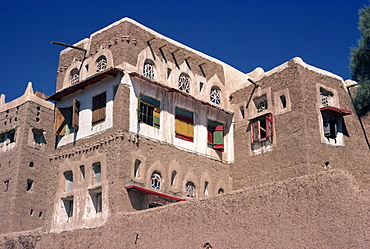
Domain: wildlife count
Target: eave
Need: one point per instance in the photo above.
(152, 192)
(171, 89)
(83, 84)
(336, 110)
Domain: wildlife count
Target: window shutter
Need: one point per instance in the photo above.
(326, 124)
(98, 110)
(75, 114)
(218, 138)
(255, 130)
(156, 117)
(59, 121)
(333, 129)
(184, 127)
(269, 126)
(210, 137)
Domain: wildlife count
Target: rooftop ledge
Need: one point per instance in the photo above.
(83, 84)
(171, 89)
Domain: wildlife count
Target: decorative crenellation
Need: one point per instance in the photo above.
(93, 146)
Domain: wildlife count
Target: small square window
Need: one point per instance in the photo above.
(262, 127)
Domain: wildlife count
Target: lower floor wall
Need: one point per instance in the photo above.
(316, 211)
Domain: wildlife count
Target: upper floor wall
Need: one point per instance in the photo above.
(132, 47)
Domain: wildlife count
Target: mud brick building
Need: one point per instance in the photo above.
(151, 143)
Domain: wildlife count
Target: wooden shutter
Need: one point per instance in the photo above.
(218, 138)
(210, 137)
(326, 124)
(255, 130)
(75, 114)
(184, 127)
(333, 129)
(59, 121)
(98, 110)
(156, 117)
(269, 125)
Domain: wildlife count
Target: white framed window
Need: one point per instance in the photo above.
(326, 97)
(184, 83)
(156, 181)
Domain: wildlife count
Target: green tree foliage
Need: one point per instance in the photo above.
(360, 64)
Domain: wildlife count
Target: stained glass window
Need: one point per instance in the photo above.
(74, 76)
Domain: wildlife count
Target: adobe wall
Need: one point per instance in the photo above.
(354, 155)
(17, 202)
(297, 142)
(314, 211)
(124, 40)
(117, 150)
(287, 157)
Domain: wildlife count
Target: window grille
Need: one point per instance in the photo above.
(262, 106)
(156, 181)
(101, 64)
(215, 96)
(74, 76)
(148, 70)
(326, 97)
(190, 189)
(184, 83)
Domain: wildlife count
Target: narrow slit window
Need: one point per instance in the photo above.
(97, 173)
(29, 185)
(68, 180)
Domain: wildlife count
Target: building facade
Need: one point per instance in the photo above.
(141, 121)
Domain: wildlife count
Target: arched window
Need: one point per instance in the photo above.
(101, 63)
(221, 191)
(184, 83)
(173, 178)
(75, 75)
(190, 189)
(215, 95)
(148, 69)
(156, 181)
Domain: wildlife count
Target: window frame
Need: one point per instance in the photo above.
(268, 128)
(149, 113)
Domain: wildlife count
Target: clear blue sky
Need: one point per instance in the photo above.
(244, 34)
